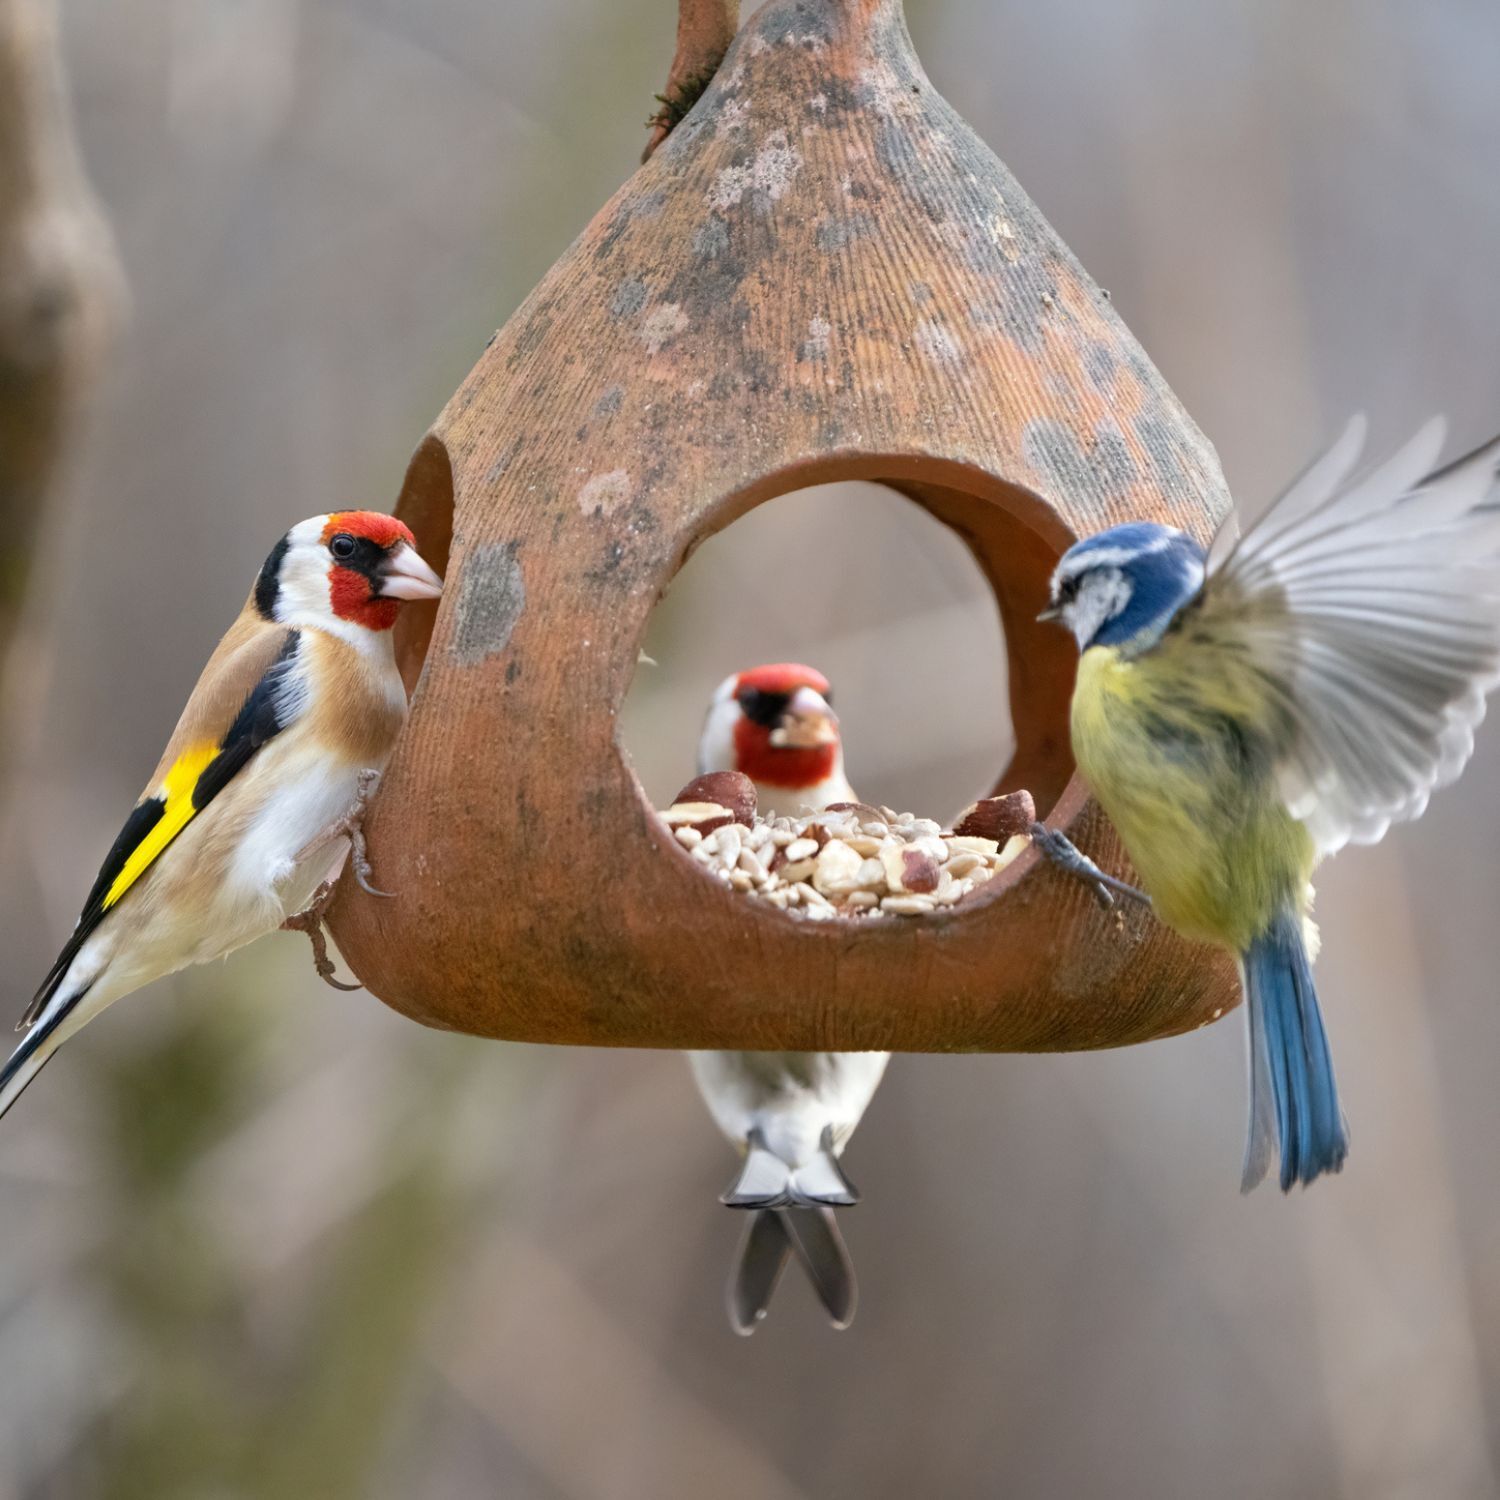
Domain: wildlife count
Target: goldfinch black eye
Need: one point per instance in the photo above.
(761, 707)
(342, 546)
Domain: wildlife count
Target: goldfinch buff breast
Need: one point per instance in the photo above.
(298, 706)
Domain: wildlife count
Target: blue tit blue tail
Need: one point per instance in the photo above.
(1294, 1100)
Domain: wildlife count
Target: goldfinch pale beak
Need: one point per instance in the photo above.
(403, 575)
(807, 724)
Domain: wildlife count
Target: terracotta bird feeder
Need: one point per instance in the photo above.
(820, 274)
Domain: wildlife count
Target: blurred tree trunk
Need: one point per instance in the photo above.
(60, 288)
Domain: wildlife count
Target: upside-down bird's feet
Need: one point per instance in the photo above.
(310, 921)
(1062, 851)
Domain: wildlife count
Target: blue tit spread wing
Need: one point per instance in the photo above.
(1371, 609)
(246, 697)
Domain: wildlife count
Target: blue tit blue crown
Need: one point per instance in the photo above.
(1123, 586)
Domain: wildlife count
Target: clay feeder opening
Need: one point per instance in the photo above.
(865, 585)
(820, 275)
(900, 626)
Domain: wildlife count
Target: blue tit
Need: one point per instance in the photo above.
(1242, 713)
(791, 1113)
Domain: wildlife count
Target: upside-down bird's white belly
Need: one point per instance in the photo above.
(789, 1097)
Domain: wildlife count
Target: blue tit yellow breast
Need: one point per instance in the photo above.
(1178, 745)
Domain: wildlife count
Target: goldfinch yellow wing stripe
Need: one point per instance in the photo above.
(199, 770)
(176, 796)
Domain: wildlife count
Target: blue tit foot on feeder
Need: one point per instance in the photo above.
(1068, 857)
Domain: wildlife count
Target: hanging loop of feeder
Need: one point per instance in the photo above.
(821, 274)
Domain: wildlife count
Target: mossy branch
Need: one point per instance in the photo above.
(705, 28)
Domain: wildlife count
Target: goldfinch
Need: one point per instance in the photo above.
(1243, 713)
(295, 713)
(792, 1113)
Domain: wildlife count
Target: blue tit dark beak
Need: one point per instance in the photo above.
(1052, 612)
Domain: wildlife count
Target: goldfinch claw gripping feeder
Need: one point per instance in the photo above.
(821, 274)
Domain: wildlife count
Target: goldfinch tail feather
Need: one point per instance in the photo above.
(33, 1050)
(815, 1237)
(764, 1250)
(771, 1239)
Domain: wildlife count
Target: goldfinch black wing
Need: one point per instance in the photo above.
(1371, 607)
(249, 692)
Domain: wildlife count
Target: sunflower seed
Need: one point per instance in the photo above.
(961, 843)
(836, 870)
(851, 861)
(907, 906)
(729, 844)
(1014, 845)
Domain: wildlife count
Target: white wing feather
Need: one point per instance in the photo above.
(1373, 610)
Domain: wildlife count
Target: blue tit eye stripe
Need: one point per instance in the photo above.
(1121, 545)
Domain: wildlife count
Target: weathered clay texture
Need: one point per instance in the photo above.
(821, 274)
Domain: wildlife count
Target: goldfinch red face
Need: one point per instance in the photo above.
(352, 568)
(775, 724)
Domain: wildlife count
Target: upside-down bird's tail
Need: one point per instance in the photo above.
(771, 1238)
(1294, 1100)
(792, 1214)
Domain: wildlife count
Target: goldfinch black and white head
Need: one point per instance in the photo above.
(776, 725)
(351, 568)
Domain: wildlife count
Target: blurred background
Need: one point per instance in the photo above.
(261, 1239)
